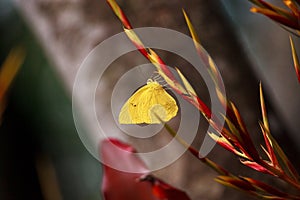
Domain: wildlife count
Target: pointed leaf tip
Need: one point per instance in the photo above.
(295, 59)
(191, 28)
(190, 90)
(263, 108)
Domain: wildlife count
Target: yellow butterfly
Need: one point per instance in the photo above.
(146, 104)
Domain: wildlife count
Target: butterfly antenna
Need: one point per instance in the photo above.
(158, 78)
(154, 76)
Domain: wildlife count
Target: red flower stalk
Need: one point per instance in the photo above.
(236, 138)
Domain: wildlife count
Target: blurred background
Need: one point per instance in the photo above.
(41, 155)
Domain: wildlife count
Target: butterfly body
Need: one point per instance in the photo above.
(146, 104)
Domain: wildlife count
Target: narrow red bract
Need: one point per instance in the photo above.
(287, 17)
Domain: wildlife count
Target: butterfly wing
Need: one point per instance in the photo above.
(165, 108)
(169, 104)
(129, 113)
(124, 116)
(146, 104)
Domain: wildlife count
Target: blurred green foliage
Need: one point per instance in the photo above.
(38, 123)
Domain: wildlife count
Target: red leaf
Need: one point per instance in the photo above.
(163, 190)
(256, 166)
(126, 184)
(265, 187)
(120, 14)
(290, 22)
(117, 184)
